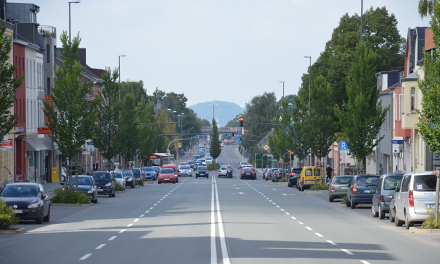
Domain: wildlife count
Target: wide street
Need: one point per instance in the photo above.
(217, 220)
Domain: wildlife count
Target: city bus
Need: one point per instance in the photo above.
(160, 159)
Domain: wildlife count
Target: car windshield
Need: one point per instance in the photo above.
(118, 175)
(391, 182)
(201, 168)
(82, 181)
(248, 170)
(167, 171)
(101, 176)
(341, 180)
(425, 182)
(184, 167)
(367, 180)
(148, 169)
(126, 172)
(20, 191)
(136, 171)
(296, 171)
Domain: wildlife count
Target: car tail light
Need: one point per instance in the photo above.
(382, 199)
(332, 188)
(411, 198)
(242, 173)
(355, 189)
(292, 174)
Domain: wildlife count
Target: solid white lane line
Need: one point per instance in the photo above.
(225, 252)
(346, 251)
(308, 228)
(213, 244)
(318, 234)
(100, 246)
(365, 262)
(122, 231)
(331, 242)
(85, 256)
(112, 238)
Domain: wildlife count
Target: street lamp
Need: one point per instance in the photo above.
(70, 27)
(362, 7)
(213, 110)
(119, 73)
(310, 76)
(283, 87)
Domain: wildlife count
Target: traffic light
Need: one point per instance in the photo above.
(265, 156)
(233, 133)
(241, 121)
(291, 154)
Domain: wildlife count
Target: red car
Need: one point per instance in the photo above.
(166, 175)
(174, 168)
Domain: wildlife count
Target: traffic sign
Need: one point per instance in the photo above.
(343, 145)
(266, 147)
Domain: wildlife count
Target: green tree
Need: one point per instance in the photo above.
(106, 126)
(147, 133)
(280, 142)
(71, 116)
(8, 84)
(429, 115)
(426, 7)
(362, 115)
(215, 149)
(128, 133)
(300, 130)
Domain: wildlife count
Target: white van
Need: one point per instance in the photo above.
(414, 198)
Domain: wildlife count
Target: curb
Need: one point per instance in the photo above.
(60, 204)
(417, 230)
(13, 231)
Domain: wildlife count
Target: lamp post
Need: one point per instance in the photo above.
(119, 73)
(310, 77)
(283, 87)
(70, 27)
(213, 105)
(362, 11)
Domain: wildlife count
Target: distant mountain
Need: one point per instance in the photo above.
(223, 111)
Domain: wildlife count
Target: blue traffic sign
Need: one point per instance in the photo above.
(343, 145)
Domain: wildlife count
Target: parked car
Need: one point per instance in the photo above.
(202, 171)
(361, 190)
(248, 173)
(277, 175)
(174, 168)
(119, 178)
(130, 180)
(293, 176)
(265, 170)
(106, 183)
(139, 176)
(270, 172)
(309, 177)
(225, 171)
(338, 187)
(185, 170)
(414, 198)
(166, 175)
(150, 173)
(87, 185)
(29, 201)
(385, 189)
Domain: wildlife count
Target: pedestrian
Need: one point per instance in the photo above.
(95, 166)
(329, 171)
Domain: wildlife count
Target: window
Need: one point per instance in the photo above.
(425, 182)
(391, 182)
(405, 184)
(48, 54)
(413, 98)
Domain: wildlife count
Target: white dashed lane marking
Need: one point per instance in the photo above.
(112, 238)
(346, 251)
(85, 256)
(100, 246)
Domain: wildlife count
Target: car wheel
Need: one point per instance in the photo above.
(39, 220)
(382, 213)
(142, 183)
(158, 182)
(110, 195)
(47, 217)
(288, 184)
(330, 198)
(397, 222)
(174, 182)
(408, 224)
(96, 200)
(133, 185)
(347, 202)
(114, 193)
(374, 213)
(352, 205)
(391, 215)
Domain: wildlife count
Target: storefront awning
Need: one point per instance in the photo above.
(35, 145)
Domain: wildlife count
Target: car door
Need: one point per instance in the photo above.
(376, 195)
(399, 200)
(44, 198)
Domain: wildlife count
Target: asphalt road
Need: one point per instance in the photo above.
(217, 220)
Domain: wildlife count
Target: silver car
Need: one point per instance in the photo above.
(385, 189)
(119, 178)
(185, 170)
(414, 198)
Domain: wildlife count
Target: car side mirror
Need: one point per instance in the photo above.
(397, 189)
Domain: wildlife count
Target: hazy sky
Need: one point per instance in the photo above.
(229, 50)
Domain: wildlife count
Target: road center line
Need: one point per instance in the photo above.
(100, 246)
(112, 238)
(122, 231)
(365, 262)
(308, 228)
(318, 234)
(331, 242)
(85, 256)
(346, 251)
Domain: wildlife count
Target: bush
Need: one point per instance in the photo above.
(282, 180)
(430, 222)
(213, 166)
(118, 186)
(343, 199)
(70, 197)
(7, 217)
(318, 187)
